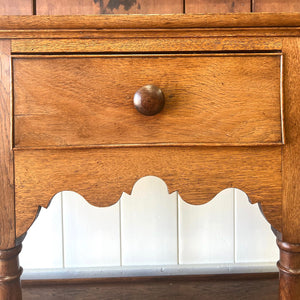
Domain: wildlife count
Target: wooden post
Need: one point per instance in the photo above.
(289, 264)
(289, 270)
(10, 271)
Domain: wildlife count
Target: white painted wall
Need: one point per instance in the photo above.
(149, 232)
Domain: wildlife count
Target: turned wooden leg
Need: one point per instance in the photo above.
(10, 272)
(289, 270)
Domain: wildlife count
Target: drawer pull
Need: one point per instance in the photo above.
(149, 100)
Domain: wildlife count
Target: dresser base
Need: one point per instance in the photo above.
(180, 287)
(289, 270)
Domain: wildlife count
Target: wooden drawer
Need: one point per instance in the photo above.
(211, 99)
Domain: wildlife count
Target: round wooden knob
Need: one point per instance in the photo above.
(149, 100)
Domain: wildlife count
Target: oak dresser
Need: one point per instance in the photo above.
(205, 102)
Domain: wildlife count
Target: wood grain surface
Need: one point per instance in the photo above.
(90, 7)
(208, 287)
(129, 26)
(276, 6)
(210, 100)
(16, 7)
(217, 6)
(153, 22)
(289, 270)
(101, 175)
(145, 42)
(141, 6)
(7, 209)
(10, 272)
(67, 7)
(291, 152)
(154, 34)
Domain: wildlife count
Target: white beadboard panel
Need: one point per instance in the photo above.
(42, 247)
(206, 232)
(255, 241)
(149, 224)
(91, 234)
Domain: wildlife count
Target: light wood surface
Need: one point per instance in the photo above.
(291, 152)
(67, 7)
(146, 43)
(153, 22)
(276, 6)
(16, 7)
(159, 26)
(210, 99)
(141, 7)
(101, 175)
(7, 209)
(268, 174)
(289, 264)
(217, 6)
(92, 7)
(10, 270)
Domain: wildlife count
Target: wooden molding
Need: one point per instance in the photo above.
(143, 44)
(128, 26)
(174, 21)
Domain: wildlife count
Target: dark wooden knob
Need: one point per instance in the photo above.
(149, 100)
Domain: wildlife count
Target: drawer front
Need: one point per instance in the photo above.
(226, 99)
